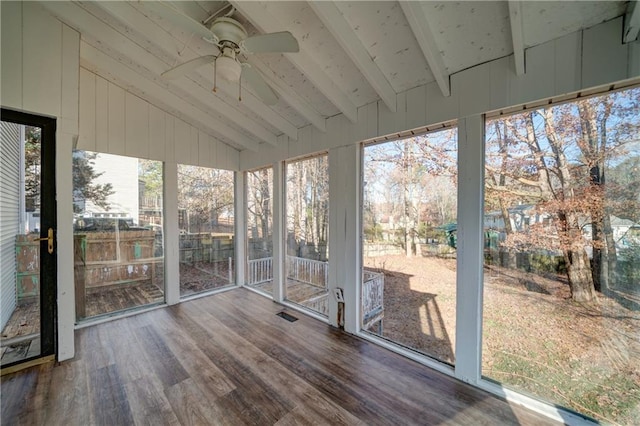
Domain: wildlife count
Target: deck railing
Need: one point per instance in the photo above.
(308, 271)
(259, 270)
(372, 299)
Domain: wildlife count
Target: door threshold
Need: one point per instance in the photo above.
(24, 365)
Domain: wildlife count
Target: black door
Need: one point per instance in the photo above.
(27, 238)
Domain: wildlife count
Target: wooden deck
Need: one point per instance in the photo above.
(304, 294)
(228, 359)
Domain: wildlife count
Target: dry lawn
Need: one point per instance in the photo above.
(535, 338)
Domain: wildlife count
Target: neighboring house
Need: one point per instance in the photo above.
(119, 171)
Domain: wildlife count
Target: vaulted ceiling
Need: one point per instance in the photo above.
(351, 53)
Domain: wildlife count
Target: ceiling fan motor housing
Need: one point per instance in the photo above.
(228, 29)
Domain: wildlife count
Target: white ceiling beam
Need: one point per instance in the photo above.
(134, 15)
(150, 66)
(95, 60)
(417, 19)
(517, 34)
(266, 22)
(632, 22)
(288, 95)
(339, 27)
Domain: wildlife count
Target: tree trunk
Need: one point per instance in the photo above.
(579, 274)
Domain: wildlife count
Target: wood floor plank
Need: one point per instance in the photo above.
(69, 402)
(164, 362)
(204, 373)
(109, 398)
(254, 391)
(284, 381)
(228, 359)
(149, 405)
(192, 409)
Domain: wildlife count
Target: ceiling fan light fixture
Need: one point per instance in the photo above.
(228, 68)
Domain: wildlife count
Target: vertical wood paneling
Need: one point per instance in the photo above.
(538, 82)
(473, 88)
(204, 148)
(604, 57)
(193, 146)
(11, 51)
(157, 133)
(568, 54)
(501, 70)
(87, 113)
(42, 66)
(182, 139)
(169, 149)
(391, 122)
(416, 107)
(440, 108)
(233, 158)
(634, 58)
(136, 127)
(69, 90)
(116, 120)
(213, 150)
(102, 114)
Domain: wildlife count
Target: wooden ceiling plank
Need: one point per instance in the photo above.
(289, 96)
(517, 35)
(339, 27)
(132, 16)
(137, 21)
(266, 22)
(417, 19)
(138, 57)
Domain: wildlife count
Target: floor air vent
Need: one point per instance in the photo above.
(286, 316)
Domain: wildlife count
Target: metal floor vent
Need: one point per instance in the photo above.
(286, 316)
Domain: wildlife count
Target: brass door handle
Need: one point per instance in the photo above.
(49, 239)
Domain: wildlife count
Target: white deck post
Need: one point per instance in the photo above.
(344, 234)
(171, 235)
(470, 248)
(279, 250)
(240, 225)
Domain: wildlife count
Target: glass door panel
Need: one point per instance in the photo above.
(27, 231)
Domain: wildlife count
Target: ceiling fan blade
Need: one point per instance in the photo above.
(167, 11)
(259, 86)
(188, 66)
(274, 42)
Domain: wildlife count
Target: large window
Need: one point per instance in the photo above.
(206, 223)
(409, 242)
(562, 255)
(259, 273)
(118, 233)
(307, 216)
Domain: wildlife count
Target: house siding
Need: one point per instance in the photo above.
(9, 215)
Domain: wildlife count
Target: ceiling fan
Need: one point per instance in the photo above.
(234, 43)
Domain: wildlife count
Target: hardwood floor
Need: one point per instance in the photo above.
(228, 359)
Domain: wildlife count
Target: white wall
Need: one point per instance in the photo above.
(114, 121)
(40, 60)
